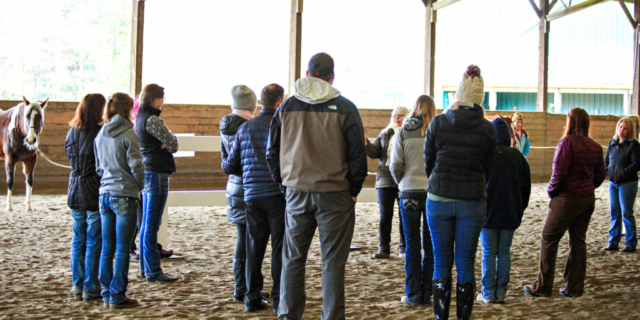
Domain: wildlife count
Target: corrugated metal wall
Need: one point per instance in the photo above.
(446, 103)
(525, 101)
(605, 103)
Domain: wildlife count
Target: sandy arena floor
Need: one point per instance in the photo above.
(35, 277)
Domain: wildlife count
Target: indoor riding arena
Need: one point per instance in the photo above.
(540, 58)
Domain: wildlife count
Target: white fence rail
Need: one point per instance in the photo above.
(205, 198)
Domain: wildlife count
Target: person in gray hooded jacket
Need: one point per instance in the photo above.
(407, 170)
(119, 164)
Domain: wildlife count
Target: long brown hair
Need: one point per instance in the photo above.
(425, 108)
(89, 113)
(119, 103)
(577, 123)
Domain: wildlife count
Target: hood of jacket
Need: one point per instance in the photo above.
(116, 126)
(413, 123)
(230, 123)
(315, 91)
(465, 115)
(503, 134)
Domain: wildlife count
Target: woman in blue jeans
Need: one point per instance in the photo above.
(157, 144)
(459, 150)
(622, 164)
(119, 164)
(82, 197)
(508, 192)
(406, 167)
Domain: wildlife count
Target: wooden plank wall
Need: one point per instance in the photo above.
(203, 171)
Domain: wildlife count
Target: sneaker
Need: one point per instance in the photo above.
(528, 290)
(77, 293)
(126, 303)
(500, 300)
(380, 255)
(481, 298)
(628, 249)
(401, 252)
(134, 255)
(405, 300)
(163, 277)
(563, 292)
(611, 248)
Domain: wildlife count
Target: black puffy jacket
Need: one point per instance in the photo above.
(84, 182)
(247, 157)
(459, 151)
(236, 211)
(622, 161)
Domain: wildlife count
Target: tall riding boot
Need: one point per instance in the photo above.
(464, 299)
(441, 297)
(239, 278)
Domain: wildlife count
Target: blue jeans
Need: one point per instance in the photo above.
(496, 243)
(622, 198)
(154, 198)
(419, 271)
(85, 250)
(118, 226)
(456, 222)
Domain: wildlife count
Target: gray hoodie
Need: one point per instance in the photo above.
(118, 159)
(407, 162)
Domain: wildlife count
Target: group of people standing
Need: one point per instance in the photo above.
(300, 165)
(120, 171)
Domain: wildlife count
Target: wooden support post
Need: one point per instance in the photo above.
(635, 103)
(137, 33)
(295, 43)
(543, 57)
(430, 48)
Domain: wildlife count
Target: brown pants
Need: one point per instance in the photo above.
(571, 214)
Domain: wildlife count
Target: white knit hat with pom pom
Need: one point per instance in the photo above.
(471, 88)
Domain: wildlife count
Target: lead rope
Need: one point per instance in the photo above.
(53, 163)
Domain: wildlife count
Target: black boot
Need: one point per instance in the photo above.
(239, 278)
(464, 299)
(441, 297)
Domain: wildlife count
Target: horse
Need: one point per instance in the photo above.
(20, 129)
(512, 132)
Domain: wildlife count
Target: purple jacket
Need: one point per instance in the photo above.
(577, 168)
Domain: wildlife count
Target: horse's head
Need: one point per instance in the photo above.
(509, 122)
(33, 122)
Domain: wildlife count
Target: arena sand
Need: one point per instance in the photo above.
(35, 278)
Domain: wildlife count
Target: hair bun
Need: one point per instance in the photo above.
(473, 71)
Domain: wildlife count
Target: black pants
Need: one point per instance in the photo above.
(239, 262)
(387, 197)
(265, 217)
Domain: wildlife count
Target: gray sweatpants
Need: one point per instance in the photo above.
(333, 213)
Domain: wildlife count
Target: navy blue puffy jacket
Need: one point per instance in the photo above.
(247, 156)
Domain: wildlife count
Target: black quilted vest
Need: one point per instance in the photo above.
(154, 158)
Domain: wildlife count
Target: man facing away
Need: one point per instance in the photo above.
(265, 203)
(316, 150)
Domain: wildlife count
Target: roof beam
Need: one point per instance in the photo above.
(634, 23)
(535, 8)
(573, 9)
(441, 4)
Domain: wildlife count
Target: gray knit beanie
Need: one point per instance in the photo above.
(243, 98)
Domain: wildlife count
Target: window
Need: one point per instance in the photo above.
(64, 49)
(377, 47)
(199, 49)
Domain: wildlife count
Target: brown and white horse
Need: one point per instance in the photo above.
(20, 129)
